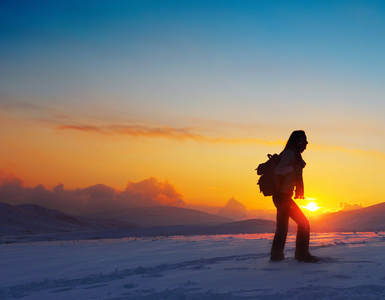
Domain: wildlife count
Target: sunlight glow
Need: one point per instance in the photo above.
(312, 206)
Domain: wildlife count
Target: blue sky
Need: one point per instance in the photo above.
(193, 41)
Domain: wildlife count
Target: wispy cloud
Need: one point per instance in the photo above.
(84, 128)
(11, 103)
(191, 133)
(167, 132)
(184, 133)
(63, 119)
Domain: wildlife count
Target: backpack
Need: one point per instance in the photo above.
(268, 182)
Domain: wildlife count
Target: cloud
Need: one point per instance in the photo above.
(93, 199)
(234, 210)
(137, 131)
(56, 116)
(191, 133)
(167, 132)
(151, 190)
(344, 206)
(184, 133)
(80, 128)
(8, 102)
(9, 179)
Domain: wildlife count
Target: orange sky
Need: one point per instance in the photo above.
(206, 168)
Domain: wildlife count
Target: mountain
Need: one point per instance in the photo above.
(33, 222)
(245, 226)
(162, 216)
(35, 219)
(370, 218)
(239, 227)
(30, 222)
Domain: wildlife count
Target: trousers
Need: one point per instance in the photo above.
(287, 208)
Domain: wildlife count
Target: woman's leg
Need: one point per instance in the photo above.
(283, 207)
(303, 233)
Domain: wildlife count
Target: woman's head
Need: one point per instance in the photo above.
(297, 141)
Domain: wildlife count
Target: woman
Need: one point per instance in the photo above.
(289, 170)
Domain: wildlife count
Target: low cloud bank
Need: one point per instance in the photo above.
(344, 206)
(234, 210)
(96, 198)
(100, 198)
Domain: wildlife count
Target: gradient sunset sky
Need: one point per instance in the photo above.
(195, 93)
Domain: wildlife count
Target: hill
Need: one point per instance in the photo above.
(34, 219)
(162, 216)
(245, 226)
(32, 222)
(371, 218)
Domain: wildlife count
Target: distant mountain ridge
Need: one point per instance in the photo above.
(369, 218)
(30, 222)
(162, 216)
(27, 221)
(35, 219)
(31, 219)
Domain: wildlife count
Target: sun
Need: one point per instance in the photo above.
(312, 206)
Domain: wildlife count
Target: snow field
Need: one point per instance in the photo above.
(201, 267)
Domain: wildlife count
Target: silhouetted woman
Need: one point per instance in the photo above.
(289, 170)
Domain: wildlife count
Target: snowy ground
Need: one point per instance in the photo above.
(201, 267)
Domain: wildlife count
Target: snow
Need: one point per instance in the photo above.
(196, 267)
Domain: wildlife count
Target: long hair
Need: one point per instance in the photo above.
(294, 140)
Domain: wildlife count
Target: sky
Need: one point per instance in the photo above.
(193, 95)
